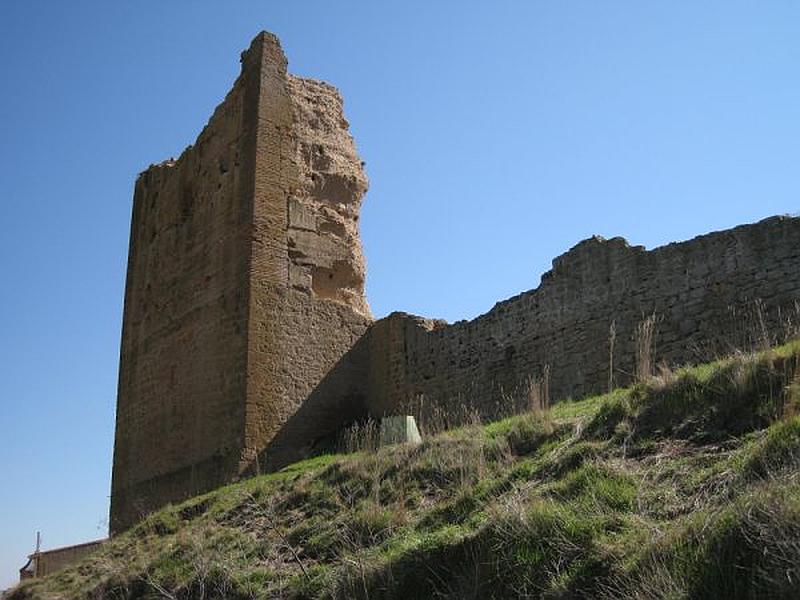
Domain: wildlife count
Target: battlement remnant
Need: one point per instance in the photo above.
(248, 342)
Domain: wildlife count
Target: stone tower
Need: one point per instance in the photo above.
(244, 295)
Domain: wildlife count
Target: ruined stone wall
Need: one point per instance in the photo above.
(705, 294)
(50, 561)
(248, 342)
(245, 288)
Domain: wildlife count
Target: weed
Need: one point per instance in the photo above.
(645, 342)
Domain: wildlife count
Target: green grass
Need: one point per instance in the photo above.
(686, 486)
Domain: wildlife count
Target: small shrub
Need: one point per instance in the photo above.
(163, 522)
(316, 539)
(535, 549)
(575, 456)
(777, 452)
(370, 524)
(750, 550)
(527, 432)
(193, 509)
(614, 411)
(596, 485)
(454, 511)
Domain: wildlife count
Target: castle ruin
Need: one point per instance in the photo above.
(248, 341)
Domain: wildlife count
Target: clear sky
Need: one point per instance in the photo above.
(496, 136)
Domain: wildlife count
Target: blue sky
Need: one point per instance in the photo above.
(496, 136)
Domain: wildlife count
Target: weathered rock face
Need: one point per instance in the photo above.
(245, 290)
(324, 244)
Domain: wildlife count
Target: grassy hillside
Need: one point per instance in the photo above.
(687, 486)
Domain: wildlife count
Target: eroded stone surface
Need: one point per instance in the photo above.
(324, 243)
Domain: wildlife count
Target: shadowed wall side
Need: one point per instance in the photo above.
(307, 302)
